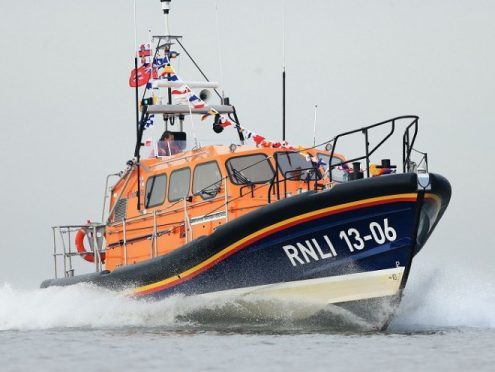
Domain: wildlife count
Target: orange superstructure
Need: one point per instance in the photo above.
(190, 194)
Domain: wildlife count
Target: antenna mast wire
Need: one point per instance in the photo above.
(220, 64)
(283, 71)
(314, 127)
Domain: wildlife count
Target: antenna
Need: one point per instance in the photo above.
(166, 11)
(314, 127)
(283, 71)
(138, 122)
(220, 64)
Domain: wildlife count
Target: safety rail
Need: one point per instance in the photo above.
(63, 235)
(407, 143)
(184, 222)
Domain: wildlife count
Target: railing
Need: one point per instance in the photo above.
(407, 143)
(63, 235)
(408, 140)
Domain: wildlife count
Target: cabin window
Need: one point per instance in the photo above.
(179, 184)
(207, 180)
(338, 174)
(250, 169)
(295, 166)
(155, 190)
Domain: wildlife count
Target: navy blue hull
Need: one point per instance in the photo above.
(266, 261)
(358, 227)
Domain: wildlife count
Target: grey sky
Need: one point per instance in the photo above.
(67, 112)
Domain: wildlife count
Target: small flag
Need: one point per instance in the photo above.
(168, 70)
(196, 102)
(211, 111)
(160, 62)
(224, 122)
(144, 53)
(149, 121)
(143, 76)
(258, 139)
(181, 90)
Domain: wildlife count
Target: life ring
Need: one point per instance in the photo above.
(79, 241)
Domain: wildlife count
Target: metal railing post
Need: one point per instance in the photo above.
(154, 249)
(186, 225)
(125, 241)
(226, 201)
(367, 144)
(55, 251)
(96, 251)
(64, 250)
(71, 270)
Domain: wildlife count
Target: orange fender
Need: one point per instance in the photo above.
(79, 241)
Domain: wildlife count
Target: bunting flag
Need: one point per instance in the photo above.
(224, 122)
(258, 139)
(195, 101)
(143, 76)
(144, 53)
(183, 89)
(168, 70)
(211, 111)
(149, 122)
(160, 62)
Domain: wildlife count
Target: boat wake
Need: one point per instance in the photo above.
(433, 301)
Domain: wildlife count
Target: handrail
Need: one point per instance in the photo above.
(62, 246)
(406, 147)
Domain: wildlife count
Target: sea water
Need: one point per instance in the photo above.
(444, 322)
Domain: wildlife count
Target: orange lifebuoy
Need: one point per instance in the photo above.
(79, 241)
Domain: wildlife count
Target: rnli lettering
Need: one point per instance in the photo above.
(310, 250)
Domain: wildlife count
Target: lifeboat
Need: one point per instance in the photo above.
(260, 216)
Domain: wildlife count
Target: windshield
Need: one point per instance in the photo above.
(250, 169)
(295, 166)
